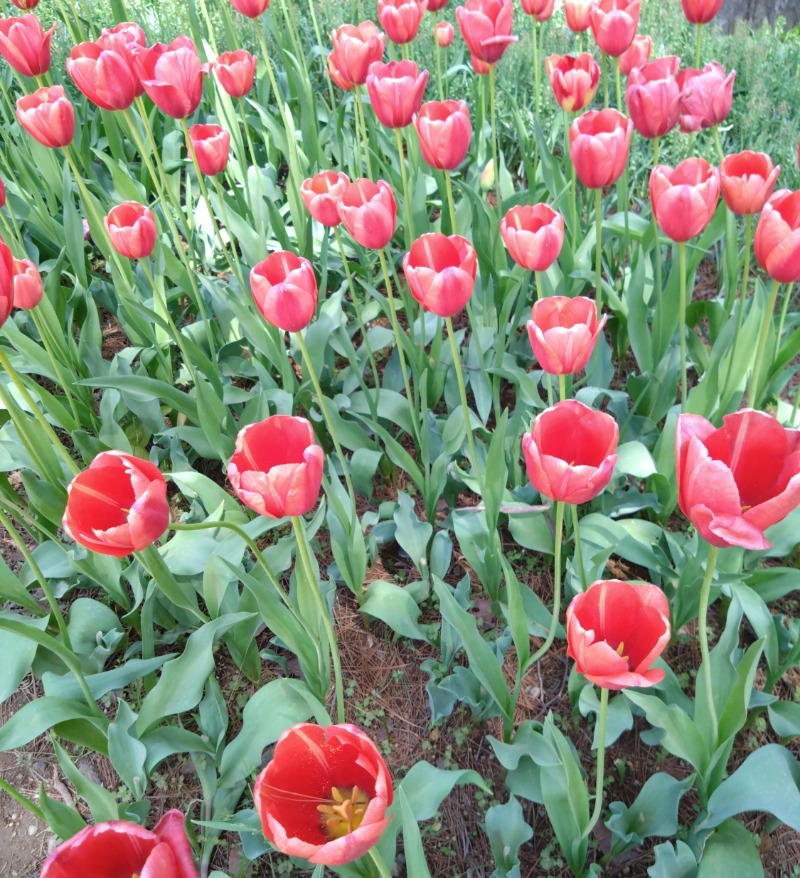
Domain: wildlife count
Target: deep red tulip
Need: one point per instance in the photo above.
(395, 91)
(250, 8)
(6, 281)
(212, 145)
(444, 33)
(236, 72)
(401, 18)
(355, 49)
(369, 212)
(285, 290)
(574, 80)
(321, 195)
(614, 24)
(276, 469)
(616, 630)
(578, 14)
(48, 116)
(485, 26)
(445, 132)
(636, 55)
(706, 96)
(653, 96)
(563, 333)
(599, 141)
(541, 10)
(701, 11)
(28, 286)
(684, 198)
(117, 506)
(132, 230)
(172, 76)
(747, 180)
(103, 75)
(533, 235)
(25, 44)
(570, 452)
(441, 272)
(777, 241)
(25, 4)
(300, 811)
(736, 481)
(436, 5)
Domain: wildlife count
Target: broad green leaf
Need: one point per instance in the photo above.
(507, 831)
(731, 850)
(425, 787)
(677, 862)
(36, 717)
(126, 751)
(63, 820)
(681, 737)
(416, 864)
(101, 802)
(18, 653)
(394, 606)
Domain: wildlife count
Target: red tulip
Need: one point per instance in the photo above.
(236, 72)
(28, 286)
(480, 66)
(653, 96)
(355, 49)
(701, 11)
(436, 5)
(441, 272)
(574, 80)
(578, 14)
(48, 116)
(276, 469)
(684, 198)
(401, 18)
(486, 28)
(126, 39)
(570, 452)
(614, 24)
(445, 132)
(212, 146)
(563, 333)
(777, 241)
(336, 75)
(736, 481)
(598, 146)
(25, 4)
(117, 506)
(533, 235)
(285, 290)
(163, 853)
(541, 10)
(616, 630)
(25, 44)
(6, 281)
(706, 96)
(321, 194)
(747, 180)
(298, 808)
(369, 212)
(172, 76)
(132, 230)
(636, 55)
(250, 8)
(395, 91)
(444, 33)
(103, 75)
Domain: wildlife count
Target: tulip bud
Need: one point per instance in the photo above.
(706, 96)
(636, 55)
(103, 75)
(480, 66)
(445, 131)
(25, 44)
(533, 235)
(777, 240)
(441, 272)
(574, 80)
(488, 176)
(28, 286)
(541, 10)
(369, 212)
(701, 11)
(25, 4)
(395, 91)
(2, 194)
(614, 24)
(321, 195)
(6, 281)
(401, 18)
(684, 198)
(236, 72)
(653, 97)
(48, 116)
(355, 49)
(599, 141)
(747, 180)
(211, 145)
(172, 76)
(444, 33)
(578, 14)
(563, 332)
(132, 230)
(250, 8)
(285, 290)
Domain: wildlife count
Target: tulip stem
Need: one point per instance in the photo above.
(656, 239)
(536, 72)
(605, 78)
(682, 322)
(576, 535)
(47, 344)
(462, 390)
(755, 378)
(598, 258)
(576, 231)
(718, 143)
(794, 407)
(361, 117)
(562, 387)
(23, 800)
(438, 54)
(495, 162)
(748, 244)
(448, 182)
(250, 148)
(602, 721)
(398, 139)
(551, 634)
(618, 81)
(698, 42)
(380, 864)
(702, 636)
(14, 235)
(303, 552)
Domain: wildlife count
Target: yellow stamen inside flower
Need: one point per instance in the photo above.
(621, 650)
(346, 813)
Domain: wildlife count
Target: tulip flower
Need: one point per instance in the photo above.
(541, 10)
(401, 18)
(616, 630)
(436, 5)
(125, 39)
(25, 4)
(574, 80)
(706, 96)
(598, 146)
(355, 49)
(369, 212)
(211, 145)
(285, 290)
(321, 194)
(636, 55)
(653, 97)
(132, 230)
(103, 75)
(250, 8)
(481, 67)
(563, 333)
(684, 198)
(25, 44)
(614, 24)
(6, 281)
(236, 72)
(485, 26)
(172, 76)
(441, 272)
(578, 14)
(701, 11)
(533, 235)
(48, 116)
(117, 506)
(445, 132)
(276, 469)
(444, 33)
(333, 810)
(395, 91)
(777, 242)
(336, 75)
(747, 180)
(28, 286)
(570, 452)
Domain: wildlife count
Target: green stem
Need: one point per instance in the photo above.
(380, 864)
(656, 239)
(618, 80)
(755, 378)
(450, 201)
(718, 143)
(562, 387)
(536, 72)
(360, 115)
(604, 74)
(23, 800)
(438, 56)
(462, 390)
(493, 112)
(576, 232)
(602, 721)
(250, 148)
(748, 246)
(576, 533)
(682, 322)
(598, 258)
(551, 634)
(398, 139)
(44, 334)
(539, 289)
(698, 42)
(702, 636)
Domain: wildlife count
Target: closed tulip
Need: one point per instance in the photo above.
(211, 145)
(369, 212)
(706, 96)
(285, 290)
(533, 235)
(48, 116)
(441, 272)
(614, 24)
(636, 55)
(116, 506)
(28, 286)
(338, 78)
(574, 80)
(401, 18)
(747, 180)
(25, 4)
(276, 469)
(236, 72)
(684, 198)
(485, 26)
(103, 75)
(355, 49)
(6, 281)
(541, 10)
(444, 33)
(701, 11)
(563, 333)
(777, 241)
(570, 452)
(599, 141)
(250, 8)
(172, 76)
(578, 14)
(333, 810)
(445, 131)
(321, 194)
(132, 230)
(616, 630)
(736, 481)
(126, 39)
(25, 44)
(437, 5)
(653, 97)
(395, 91)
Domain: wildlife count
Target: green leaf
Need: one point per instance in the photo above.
(681, 737)
(416, 864)
(36, 717)
(731, 850)
(100, 801)
(507, 831)
(677, 862)
(425, 787)
(18, 654)
(524, 759)
(126, 751)
(412, 534)
(64, 820)
(784, 717)
(394, 606)
(619, 718)
(634, 459)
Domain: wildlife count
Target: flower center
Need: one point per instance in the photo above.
(621, 650)
(345, 813)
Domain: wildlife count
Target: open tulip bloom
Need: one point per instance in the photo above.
(574, 80)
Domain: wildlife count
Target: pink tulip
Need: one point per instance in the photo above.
(395, 91)
(563, 333)
(441, 272)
